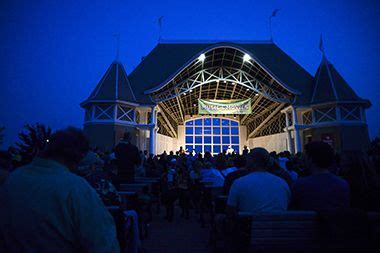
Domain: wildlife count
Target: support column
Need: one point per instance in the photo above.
(152, 133)
(297, 134)
(288, 134)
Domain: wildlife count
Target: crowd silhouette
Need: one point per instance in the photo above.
(72, 198)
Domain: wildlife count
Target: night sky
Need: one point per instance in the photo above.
(53, 53)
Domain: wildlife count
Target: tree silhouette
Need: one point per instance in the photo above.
(32, 140)
(2, 135)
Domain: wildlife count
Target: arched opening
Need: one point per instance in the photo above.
(221, 74)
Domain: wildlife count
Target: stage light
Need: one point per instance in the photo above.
(246, 57)
(191, 90)
(184, 93)
(247, 89)
(202, 57)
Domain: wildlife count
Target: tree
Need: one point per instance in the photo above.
(32, 140)
(2, 135)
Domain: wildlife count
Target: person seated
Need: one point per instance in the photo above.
(211, 176)
(322, 190)
(240, 163)
(259, 191)
(230, 167)
(46, 208)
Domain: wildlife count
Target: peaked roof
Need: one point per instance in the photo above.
(114, 86)
(168, 58)
(329, 86)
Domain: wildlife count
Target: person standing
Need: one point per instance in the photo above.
(127, 158)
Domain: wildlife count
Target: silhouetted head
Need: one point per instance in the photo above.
(127, 137)
(319, 154)
(67, 146)
(220, 162)
(240, 162)
(258, 159)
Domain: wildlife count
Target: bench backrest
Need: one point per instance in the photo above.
(132, 187)
(291, 229)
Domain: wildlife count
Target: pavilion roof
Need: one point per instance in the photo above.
(113, 86)
(330, 86)
(166, 59)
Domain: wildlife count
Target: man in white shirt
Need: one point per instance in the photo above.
(259, 191)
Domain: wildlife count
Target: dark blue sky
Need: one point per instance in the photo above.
(53, 53)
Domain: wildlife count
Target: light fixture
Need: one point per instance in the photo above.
(191, 90)
(256, 94)
(246, 57)
(224, 81)
(202, 57)
(184, 93)
(247, 89)
(233, 83)
(194, 105)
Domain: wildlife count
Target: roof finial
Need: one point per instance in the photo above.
(117, 35)
(274, 14)
(159, 21)
(322, 47)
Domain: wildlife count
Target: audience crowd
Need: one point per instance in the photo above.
(61, 199)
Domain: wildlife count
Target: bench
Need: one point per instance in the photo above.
(291, 230)
(306, 231)
(133, 187)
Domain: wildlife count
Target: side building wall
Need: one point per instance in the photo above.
(107, 136)
(341, 138)
(274, 142)
(165, 143)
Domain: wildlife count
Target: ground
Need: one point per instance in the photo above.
(184, 236)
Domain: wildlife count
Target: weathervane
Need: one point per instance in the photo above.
(160, 27)
(274, 14)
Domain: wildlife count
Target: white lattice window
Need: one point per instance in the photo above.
(307, 118)
(103, 112)
(350, 112)
(125, 113)
(325, 114)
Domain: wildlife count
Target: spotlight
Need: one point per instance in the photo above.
(247, 89)
(202, 57)
(256, 94)
(191, 90)
(246, 57)
(184, 93)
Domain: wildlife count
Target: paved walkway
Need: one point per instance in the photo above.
(179, 236)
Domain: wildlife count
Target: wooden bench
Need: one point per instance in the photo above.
(304, 231)
(137, 187)
(147, 179)
(290, 230)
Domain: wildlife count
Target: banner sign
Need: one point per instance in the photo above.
(237, 106)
